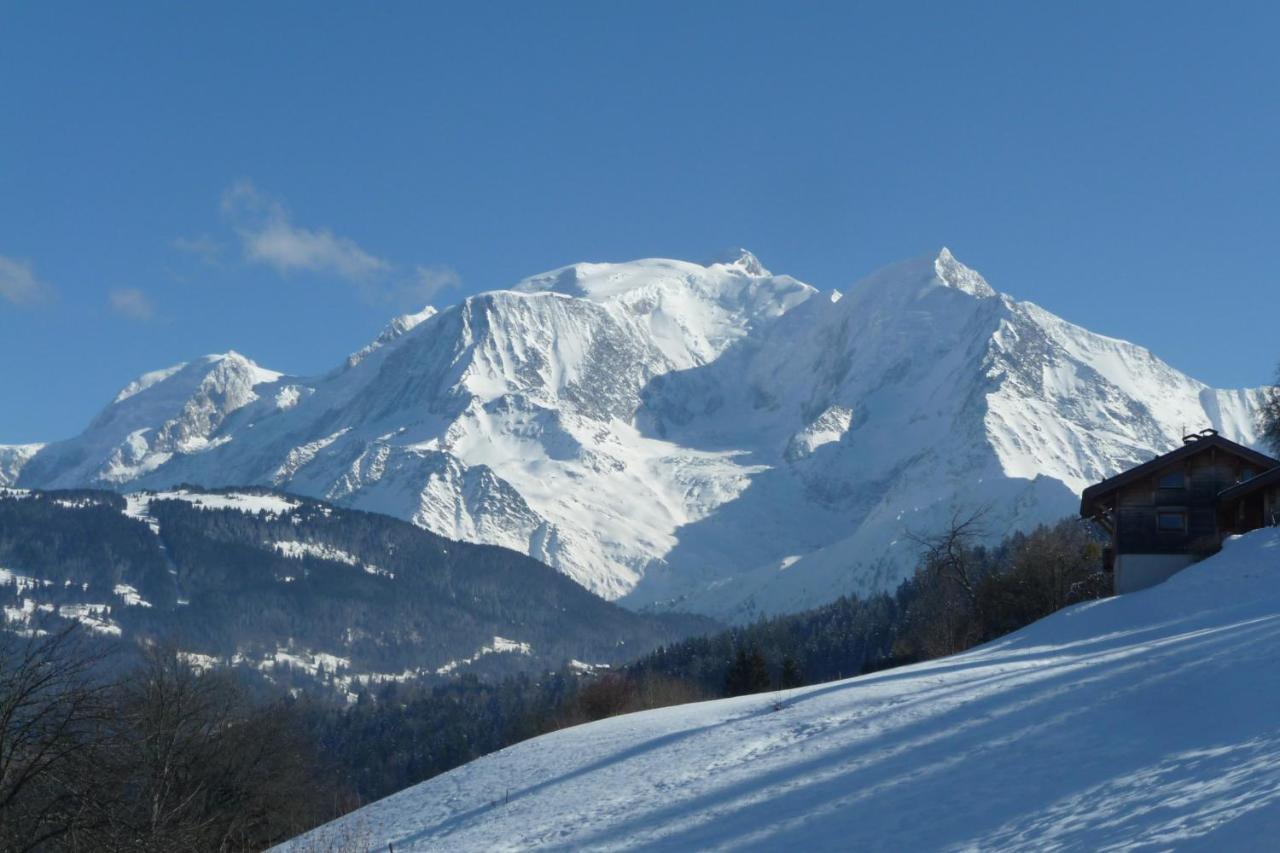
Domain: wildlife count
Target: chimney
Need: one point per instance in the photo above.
(1196, 436)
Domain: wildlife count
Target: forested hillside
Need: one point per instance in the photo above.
(303, 592)
(382, 620)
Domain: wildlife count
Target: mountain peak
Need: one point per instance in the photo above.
(742, 259)
(955, 274)
(186, 375)
(919, 275)
(726, 280)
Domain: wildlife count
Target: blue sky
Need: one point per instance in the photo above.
(281, 178)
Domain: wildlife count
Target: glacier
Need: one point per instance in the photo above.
(673, 435)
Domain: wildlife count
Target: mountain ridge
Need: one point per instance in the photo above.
(681, 435)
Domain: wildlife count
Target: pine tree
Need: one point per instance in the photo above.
(748, 674)
(791, 676)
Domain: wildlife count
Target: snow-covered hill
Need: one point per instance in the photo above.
(716, 438)
(1145, 721)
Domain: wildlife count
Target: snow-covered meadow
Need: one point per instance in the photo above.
(1147, 721)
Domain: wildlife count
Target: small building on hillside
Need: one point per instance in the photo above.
(1170, 512)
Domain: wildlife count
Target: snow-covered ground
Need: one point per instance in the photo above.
(1147, 721)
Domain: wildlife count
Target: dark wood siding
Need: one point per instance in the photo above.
(1139, 504)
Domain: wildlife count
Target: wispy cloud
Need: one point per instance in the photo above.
(19, 285)
(268, 236)
(203, 247)
(420, 288)
(132, 303)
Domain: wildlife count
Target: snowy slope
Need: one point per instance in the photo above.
(921, 392)
(174, 412)
(1145, 721)
(13, 458)
(677, 435)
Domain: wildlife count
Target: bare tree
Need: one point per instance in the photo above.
(950, 553)
(944, 616)
(161, 759)
(51, 735)
(205, 767)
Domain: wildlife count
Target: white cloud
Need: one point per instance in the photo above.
(419, 289)
(269, 237)
(132, 303)
(19, 285)
(203, 247)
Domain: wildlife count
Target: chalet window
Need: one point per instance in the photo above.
(1172, 480)
(1171, 521)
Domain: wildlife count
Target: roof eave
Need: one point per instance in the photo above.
(1267, 478)
(1090, 496)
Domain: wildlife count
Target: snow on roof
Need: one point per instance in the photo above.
(1191, 447)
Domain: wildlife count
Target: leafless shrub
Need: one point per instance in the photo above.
(204, 767)
(51, 737)
(616, 693)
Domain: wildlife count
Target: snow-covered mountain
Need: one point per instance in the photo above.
(12, 459)
(1140, 722)
(714, 437)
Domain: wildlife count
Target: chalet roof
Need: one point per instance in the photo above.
(1262, 481)
(1207, 440)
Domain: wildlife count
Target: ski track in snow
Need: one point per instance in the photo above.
(1141, 722)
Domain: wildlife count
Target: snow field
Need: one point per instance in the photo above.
(1146, 721)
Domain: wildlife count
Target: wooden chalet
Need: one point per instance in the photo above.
(1170, 512)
